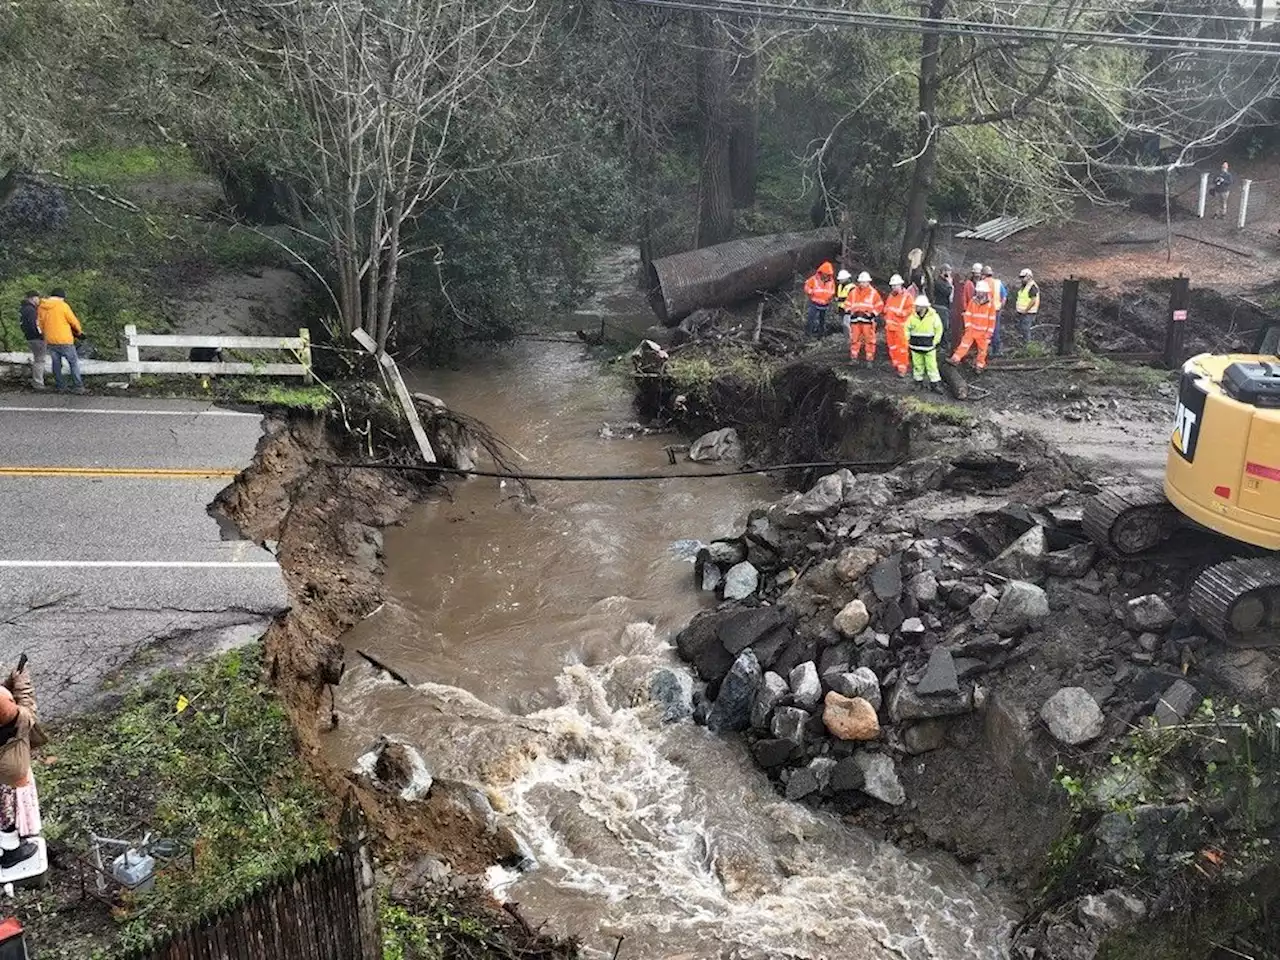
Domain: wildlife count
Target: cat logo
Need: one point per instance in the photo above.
(1187, 420)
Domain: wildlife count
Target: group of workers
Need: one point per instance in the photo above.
(914, 327)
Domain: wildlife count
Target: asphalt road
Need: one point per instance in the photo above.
(110, 565)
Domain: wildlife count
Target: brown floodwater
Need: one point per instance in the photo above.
(530, 632)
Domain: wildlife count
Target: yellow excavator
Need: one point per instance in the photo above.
(1222, 474)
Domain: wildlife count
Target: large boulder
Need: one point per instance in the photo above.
(741, 581)
(1024, 558)
(397, 768)
(1177, 703)
(672, 691)
(823, 498)
(1147, 837)
(732, 708)
(886, 578)
(806, 688)
(940, 677)
(740, 629)
(861, 682)
(773, 690)
(720, 444)
(1148, 614)
(1072, 716)
(880, 778)
(699, 644)
(854, 562)
(849, 718)
(1022, 605)
(852, 619)
(789, 724)
(906, 704)
(1073, 562)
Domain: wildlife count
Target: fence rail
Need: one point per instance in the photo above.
(324, 910)
(134, 366)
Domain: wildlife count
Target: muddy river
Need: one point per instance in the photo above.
(518, 625)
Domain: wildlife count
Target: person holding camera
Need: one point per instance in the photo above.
(60, 327)
(19, 733)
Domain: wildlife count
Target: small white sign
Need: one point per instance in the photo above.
(1179, 315)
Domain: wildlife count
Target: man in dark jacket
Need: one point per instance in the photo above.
(1221, 189)
(35, 340)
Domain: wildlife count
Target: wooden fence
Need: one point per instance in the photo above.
(324, 910)
(298, 347)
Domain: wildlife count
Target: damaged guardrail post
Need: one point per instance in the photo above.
(1244, 203)
(1204, 194)
(392, 374)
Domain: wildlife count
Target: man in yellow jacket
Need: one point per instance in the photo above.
(60, 327)
(924, 333)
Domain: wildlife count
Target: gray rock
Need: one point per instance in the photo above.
(741, 581)
(806, 688)
(822, 768)
(880, 779)
(968, 666)
(720, 444)
(906, 704)
(1072, 716)
(1148, 613)
(711, 577)
(913, 626)
(802, 783)
(1177, 703)
(773, 753)
(961, 595)
(984, 608)
(886, 578)
(924, 736)
(891, 617)
(773, 690)
(672, 690)
(789, 723)
(726, 553)
(397, 768)
(1146, 837)
(847, 776)
(860, 683)
(732, 708)
(940, 677)
(824, 497)
(1148, 642)
(699, 643)
(1022, 605)
(1024, 558)
(1073, 562)
(1112, 910)
(924, 587)
(751, 628)
(852, 619)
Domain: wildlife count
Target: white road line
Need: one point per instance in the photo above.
(145, 564)
(132, 412)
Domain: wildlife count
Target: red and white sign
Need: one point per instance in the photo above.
(1179, 316)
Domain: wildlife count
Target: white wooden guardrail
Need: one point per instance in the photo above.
(135, 366)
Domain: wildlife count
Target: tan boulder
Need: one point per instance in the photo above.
(850, 718)
(854, 562)
(853, 619)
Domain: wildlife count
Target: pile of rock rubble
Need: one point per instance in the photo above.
(865, 616)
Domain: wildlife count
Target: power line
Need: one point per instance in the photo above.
(965, 28)
(1134, 13)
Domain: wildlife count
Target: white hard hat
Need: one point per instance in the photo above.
(977, 268)
(1025, 272)
(922, 301)
(982, 287)
(895, 280)
(864, 277)
(843, 275)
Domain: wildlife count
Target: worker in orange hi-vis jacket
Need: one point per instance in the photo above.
(864, 306)
(979, 324)
(897, 308)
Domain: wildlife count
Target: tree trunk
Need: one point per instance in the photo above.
(926, 139)
(744, 139)
(715, 196)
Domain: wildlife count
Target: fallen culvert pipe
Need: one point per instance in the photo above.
(732, 272)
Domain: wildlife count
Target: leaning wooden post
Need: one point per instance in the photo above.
(1244, 204)
(304, 354)
(1204, 194)
(1176, 329)
(1067, 318)
(131, 353)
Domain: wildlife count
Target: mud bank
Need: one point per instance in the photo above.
(325, 525)
(937, 652)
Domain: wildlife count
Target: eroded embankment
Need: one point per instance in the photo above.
(325, 525)
(937, 651)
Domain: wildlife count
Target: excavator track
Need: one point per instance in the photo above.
(1128, 521)
(1238, 601)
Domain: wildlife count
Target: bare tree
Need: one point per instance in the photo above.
(375, 89)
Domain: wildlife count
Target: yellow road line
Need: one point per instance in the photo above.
(161, 473)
